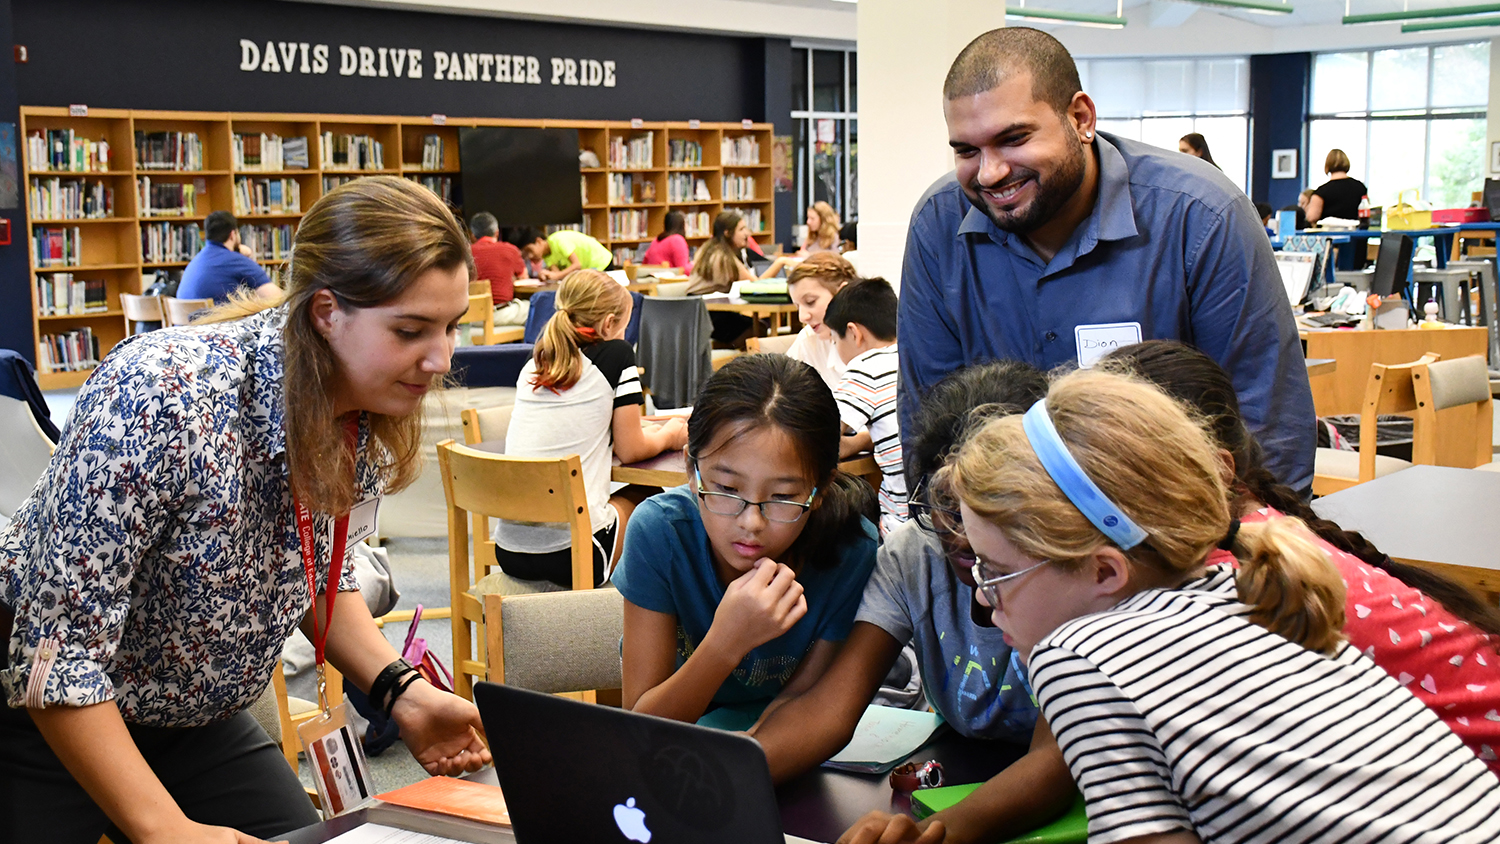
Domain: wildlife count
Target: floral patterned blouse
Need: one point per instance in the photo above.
(156, 563)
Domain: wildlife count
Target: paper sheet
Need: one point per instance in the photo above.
(374, 833)
(887, 735)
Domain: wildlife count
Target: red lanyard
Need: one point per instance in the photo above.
(335, 565)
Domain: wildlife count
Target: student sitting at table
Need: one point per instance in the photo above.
(580, 394)
(556, 255)
(740, 585)
(862, 318)
(500, 264)
(822, 229)
(1193, 701)
(717, 266)
(670, 247)
(811, 284)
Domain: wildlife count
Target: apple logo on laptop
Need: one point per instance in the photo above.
(632, 821)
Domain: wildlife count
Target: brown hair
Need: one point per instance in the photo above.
(366, 242)
(1336, 162)
(828, 224)
(717, 261)
(829, 269)
(1150, 456)
(585, 298)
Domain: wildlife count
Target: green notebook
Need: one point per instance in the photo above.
(1071, 828)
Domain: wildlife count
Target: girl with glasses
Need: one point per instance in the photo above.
(740, 585)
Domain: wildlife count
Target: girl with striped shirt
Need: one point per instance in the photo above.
(1193, 702)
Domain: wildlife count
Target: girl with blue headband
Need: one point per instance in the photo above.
(1193, 702)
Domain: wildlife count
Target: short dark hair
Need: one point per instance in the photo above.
(992, 57)
(870, 302)
(849, 233)
(963, 400)
(484, 224)
(219, 226)
(674, 223)
(1264, 209)
(528, 235)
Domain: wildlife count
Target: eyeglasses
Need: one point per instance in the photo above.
(935, 510)
(724, 504)
(990, 586)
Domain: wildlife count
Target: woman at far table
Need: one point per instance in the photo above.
(1340, 195)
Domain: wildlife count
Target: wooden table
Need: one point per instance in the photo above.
(819, 805)
(525, 290)
(670, 469)
(1321, 366)
(1431, 516)
(1355, 349)
(772, 311)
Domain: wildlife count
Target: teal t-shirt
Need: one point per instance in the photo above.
(591, 253)
(667, 567)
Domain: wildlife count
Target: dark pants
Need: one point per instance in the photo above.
(228, 773)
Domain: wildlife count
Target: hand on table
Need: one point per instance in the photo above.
(197, 833)
(760, 605)
(676, 431)
(443, 730)
(884, 828)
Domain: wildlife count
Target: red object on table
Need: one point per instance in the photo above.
(1461, 215)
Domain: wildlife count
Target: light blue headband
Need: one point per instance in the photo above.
(1075, 483)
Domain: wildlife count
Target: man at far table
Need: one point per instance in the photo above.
(500, 264)
(1054, 243)
(564, 251)
(224, 265)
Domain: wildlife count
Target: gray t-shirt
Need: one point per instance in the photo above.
(968, 672)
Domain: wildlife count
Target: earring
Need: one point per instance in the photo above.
(1088, 136)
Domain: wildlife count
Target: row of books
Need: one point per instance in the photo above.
(432, 152)
(268, 242)
(576, 227)
(167, 199)
(752, 218)
(684, 154)
(268, 152)
(63, 149)
(624, 254)
(698, 225)
(168, 151)
(739, 151)
(628, 225)
(163, 242)
(351, 152)
(267, 196)
(331, 182)
(59, 294)
(440, 185)
(738, 188)
(70, 199)
(635, 154)
(61, 247)
(70, 351)
(622, 190)
(685, 187)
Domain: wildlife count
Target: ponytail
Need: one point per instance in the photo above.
(1290, 585)
(584, 300)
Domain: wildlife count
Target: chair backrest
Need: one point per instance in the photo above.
(556, 641)
(24, 454)
(489, 366)
(672, 289)
(675, 349)
(141, 308)
(486, 423)
(770, 345)
(480, 286)
(481, 312)
(1388, 391)
(1455, 415)
(543, 305)
(183, 311)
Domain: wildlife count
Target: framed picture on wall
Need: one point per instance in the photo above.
(1283, 164)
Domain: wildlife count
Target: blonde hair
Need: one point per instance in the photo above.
(829, 269)
(585, 298)
(366, 242)
(828, 224)
(1336, 162)
(1154, 459)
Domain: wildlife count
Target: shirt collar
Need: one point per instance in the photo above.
(489, 238)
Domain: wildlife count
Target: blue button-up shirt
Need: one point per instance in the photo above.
(217, 271)
(1170, 243)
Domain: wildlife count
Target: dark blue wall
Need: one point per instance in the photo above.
(778, 111)
(1279, 86)
(15, 269)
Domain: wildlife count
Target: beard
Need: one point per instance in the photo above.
(1053, 190)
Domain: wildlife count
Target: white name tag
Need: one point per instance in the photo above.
(362, 519)
(1096, 341)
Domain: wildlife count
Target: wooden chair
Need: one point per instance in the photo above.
(517, 488)
(141, 309)
(486, 423)
(481, 312)
(557, 643)
(770, 345)
(1455, 414)
(1389, 390)
(183, 311)
(478, 287)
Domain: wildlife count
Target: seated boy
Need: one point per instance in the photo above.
(862, 318)
(557, 254)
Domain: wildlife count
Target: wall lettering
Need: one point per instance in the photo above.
(406, 62)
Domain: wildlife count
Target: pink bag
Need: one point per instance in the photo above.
(415, 652)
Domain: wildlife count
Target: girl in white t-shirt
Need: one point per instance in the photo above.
(811, 286)
(581, 394)
(1193, 702)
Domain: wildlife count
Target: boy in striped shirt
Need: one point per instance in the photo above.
(862, 317)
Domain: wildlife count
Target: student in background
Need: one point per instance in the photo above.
(717, 266)
(1266, 212)
(811, 285)
(822, 229)
(862, 318)
(1340, 195)
(1196, 145)
(1091, 520)
(556, 255)
(580, 394)
(848, 244)
(740, 586)
(224, 266)
(671, 246)
(500, 264)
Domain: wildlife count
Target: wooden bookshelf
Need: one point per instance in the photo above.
(111, 248)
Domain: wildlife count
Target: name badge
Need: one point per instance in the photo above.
(362, 519)
(1096, 341)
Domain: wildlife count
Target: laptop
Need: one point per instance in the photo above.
(576, 772)
(1392, 265)
(1296, 273)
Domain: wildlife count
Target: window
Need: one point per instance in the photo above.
(1160, 100)
(1409, 119)
(825, 91)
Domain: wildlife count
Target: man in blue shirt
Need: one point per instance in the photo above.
(1054, 243)
(223, 265)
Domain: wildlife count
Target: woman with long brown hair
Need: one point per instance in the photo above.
(199, 499)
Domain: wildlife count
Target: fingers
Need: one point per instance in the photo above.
(797, 612)
(788, 602)
(935, 834)
(867, 829)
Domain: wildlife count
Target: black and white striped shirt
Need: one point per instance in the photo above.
(866, 397)
(1174, 711)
